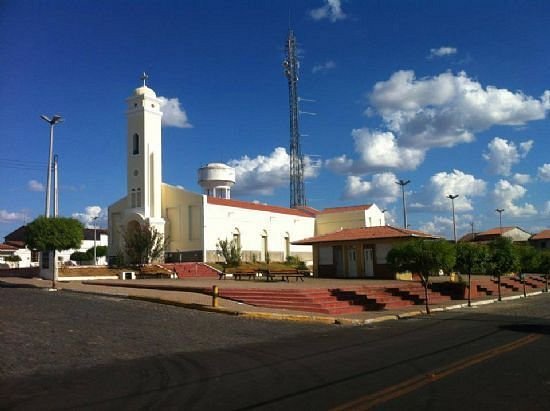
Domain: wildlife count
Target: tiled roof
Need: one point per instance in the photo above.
(346, 208)
(543, 235)
(302, 212)
(7, 247)
(496, 231)
(365, 233)
(17, 235)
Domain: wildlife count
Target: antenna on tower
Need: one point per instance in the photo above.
(290, 64)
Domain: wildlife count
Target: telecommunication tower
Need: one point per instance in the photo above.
(297, 192)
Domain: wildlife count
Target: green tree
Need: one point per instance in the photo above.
(80, 256)
(423, 257)
(100, 251)
(143, 244)
(14, 259)
(230, 251)
(54, 234)
(528, 261)
(502, 259)
(471, 258)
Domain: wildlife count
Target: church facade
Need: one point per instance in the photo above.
(193, 223)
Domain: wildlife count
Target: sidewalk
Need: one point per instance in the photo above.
(180, 293)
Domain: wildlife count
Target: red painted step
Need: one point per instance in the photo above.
(315, 301)
(186, 270)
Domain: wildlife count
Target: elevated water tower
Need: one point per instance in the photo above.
(216, 180)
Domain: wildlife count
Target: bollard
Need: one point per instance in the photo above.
(215, 295)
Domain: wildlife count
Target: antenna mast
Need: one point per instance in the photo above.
(297, 192)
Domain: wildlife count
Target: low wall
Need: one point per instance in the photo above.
(27, 272)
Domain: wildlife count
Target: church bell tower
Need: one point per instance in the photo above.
(144, 165)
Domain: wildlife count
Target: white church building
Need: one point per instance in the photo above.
(193, 223)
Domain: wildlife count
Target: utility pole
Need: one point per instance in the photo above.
(403, 183)
(55, 188)
(95, 236)
(452, 198)
(499, 211)
(52, 122)
(290, 64)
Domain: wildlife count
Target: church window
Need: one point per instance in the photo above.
(136, 172)
(138, 198)
(133, 198)
(135, 146)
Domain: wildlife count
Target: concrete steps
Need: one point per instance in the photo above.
(320, 301)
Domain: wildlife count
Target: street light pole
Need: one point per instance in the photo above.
(403, 183)
(499, 211)
(52, 122)
(95, 236)
(452, 198)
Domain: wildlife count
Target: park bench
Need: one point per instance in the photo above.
(239, 274)
(285, 275)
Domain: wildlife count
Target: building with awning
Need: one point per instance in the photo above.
(357, 252)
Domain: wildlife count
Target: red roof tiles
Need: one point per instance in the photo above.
(495, 231)
(302, 211)
(365, 233)
(543, 235)
(8, 247)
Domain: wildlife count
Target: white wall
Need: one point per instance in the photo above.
(222, 222)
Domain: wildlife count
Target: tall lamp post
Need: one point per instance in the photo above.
(403, 183)
(452, 198)
(95, 236)
(499, 211)
(52, 122)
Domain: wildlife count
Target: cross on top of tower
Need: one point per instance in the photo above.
(144, 77)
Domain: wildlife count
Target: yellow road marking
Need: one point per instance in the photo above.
(412, 384)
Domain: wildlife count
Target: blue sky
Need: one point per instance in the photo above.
(454, 96)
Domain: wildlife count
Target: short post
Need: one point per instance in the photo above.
(469, 289)
(215, 295)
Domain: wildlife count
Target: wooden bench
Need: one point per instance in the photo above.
(285, 275)
(239, 274)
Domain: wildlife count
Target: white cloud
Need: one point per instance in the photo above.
(323, 67)
(377, 150)
(503, 155)
(442, 51)
(34, 185)
(443, 226)
(173, 115)
(544, 172)
(262, 174)
(448, 109)
(12, 216)
(332, 10)
(546, 209)
(521, 178)
(505, 194)
(434, 196)
(87, 217)
(438, 226)
(381, 188)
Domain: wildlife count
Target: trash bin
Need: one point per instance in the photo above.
(127, 275)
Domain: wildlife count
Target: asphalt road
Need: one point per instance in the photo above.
(73, 351)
